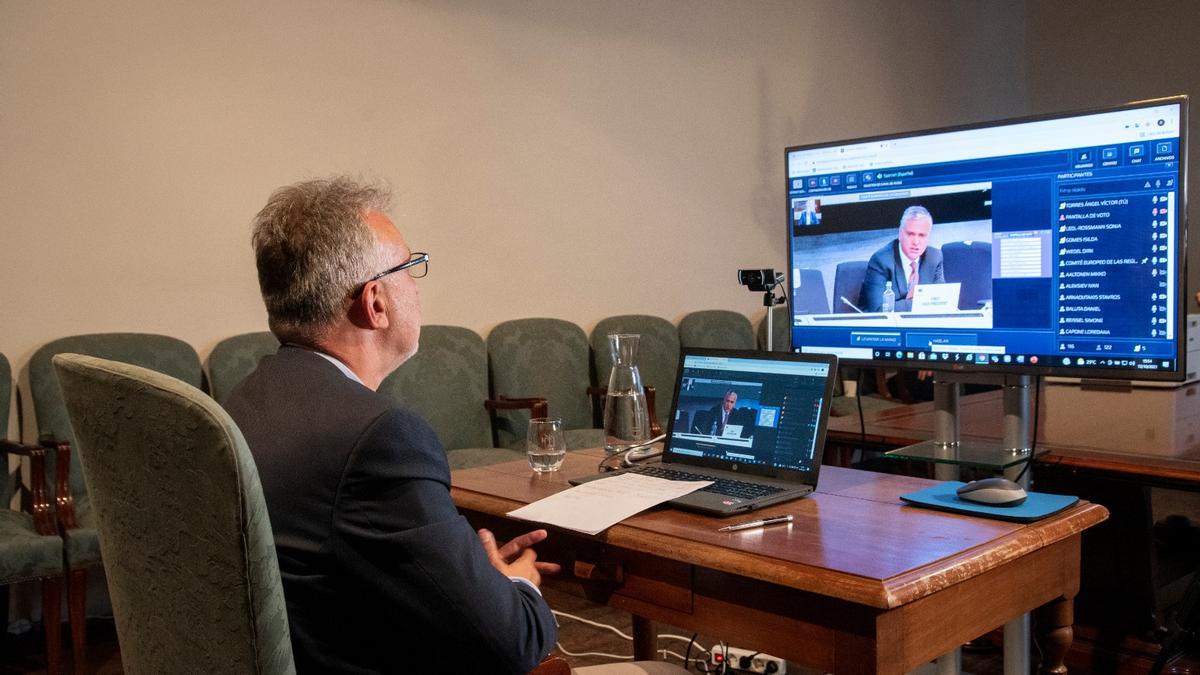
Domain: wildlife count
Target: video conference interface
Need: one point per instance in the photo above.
(1050, 243)
(749, 411)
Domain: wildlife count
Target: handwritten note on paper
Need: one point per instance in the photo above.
(593, 507)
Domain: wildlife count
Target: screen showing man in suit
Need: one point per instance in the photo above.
(722, 411)
(806, 211)
(905, 261)
(934, 246)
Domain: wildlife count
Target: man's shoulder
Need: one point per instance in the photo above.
(933, 255)
(885, 253)
(300, 383)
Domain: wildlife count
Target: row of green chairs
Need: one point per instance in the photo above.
(526, 361)
(455, 371)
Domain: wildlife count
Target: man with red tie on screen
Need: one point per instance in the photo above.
(906, 261)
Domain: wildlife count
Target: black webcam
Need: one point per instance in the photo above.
(760, 280)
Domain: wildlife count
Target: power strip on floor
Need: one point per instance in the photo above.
(746, 661)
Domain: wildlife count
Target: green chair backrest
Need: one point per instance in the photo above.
(188, 550)
(716, 329)
(236, 357)
(540, 357)
(156, 352)
(446, 383)
(657, 359)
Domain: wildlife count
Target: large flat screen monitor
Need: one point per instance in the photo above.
(1050, 245)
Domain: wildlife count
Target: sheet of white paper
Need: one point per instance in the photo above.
(594, 506)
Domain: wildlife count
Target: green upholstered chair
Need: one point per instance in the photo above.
(183, 525)
(781, 339)
(716, 329)
(548, 359)
(30, 548)
(76, 520)
(236, 357)
(446, 383)
(657, 358)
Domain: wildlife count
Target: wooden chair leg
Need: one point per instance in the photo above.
(52, 623)
(77, 607)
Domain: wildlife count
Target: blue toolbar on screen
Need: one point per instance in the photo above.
(1050, 245)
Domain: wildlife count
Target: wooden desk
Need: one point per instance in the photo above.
(1121, 602)
(858, 583)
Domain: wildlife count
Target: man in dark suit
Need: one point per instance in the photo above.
(905, 261)
(380, 572)
(722, 411)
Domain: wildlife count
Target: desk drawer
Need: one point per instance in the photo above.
(602, 572)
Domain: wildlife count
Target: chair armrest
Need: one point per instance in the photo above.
(597, 396)
(537, 407)
(63, 498)
(552, 665)
(42, 512)
(599, 393)
(655, 428)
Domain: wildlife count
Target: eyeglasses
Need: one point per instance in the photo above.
(417, 266)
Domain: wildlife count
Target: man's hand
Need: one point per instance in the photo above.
(517, 558)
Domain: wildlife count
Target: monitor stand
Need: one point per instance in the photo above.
(949, 452)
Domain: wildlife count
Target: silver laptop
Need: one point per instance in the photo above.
(752, 421)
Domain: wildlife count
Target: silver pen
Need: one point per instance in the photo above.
(761, 522)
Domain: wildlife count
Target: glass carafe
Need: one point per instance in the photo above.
(626, 420)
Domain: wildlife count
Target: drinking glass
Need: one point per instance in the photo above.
(545, 444)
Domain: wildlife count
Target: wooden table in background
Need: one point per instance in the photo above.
(981, 419)
(858, 583)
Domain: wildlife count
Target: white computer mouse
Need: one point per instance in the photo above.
(993, 492)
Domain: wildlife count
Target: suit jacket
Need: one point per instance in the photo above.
(377, 564)
(889, 264)
(718, 419)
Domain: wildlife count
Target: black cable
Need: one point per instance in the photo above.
(687, 654)
(1037, 408)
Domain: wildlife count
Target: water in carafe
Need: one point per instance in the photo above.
(626, 419)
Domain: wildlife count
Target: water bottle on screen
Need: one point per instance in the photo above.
(626, 420)
(889, 298)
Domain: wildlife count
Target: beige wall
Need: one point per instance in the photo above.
(564, 159)
(1088, 53)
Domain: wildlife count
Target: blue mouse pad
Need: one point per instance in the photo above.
(943, 497)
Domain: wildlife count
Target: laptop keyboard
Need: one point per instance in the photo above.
(721, 486)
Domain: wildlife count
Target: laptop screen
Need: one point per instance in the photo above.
(760, 412)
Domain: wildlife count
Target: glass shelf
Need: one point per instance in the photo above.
(977, 454)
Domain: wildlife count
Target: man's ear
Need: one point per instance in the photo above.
(370, 308)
